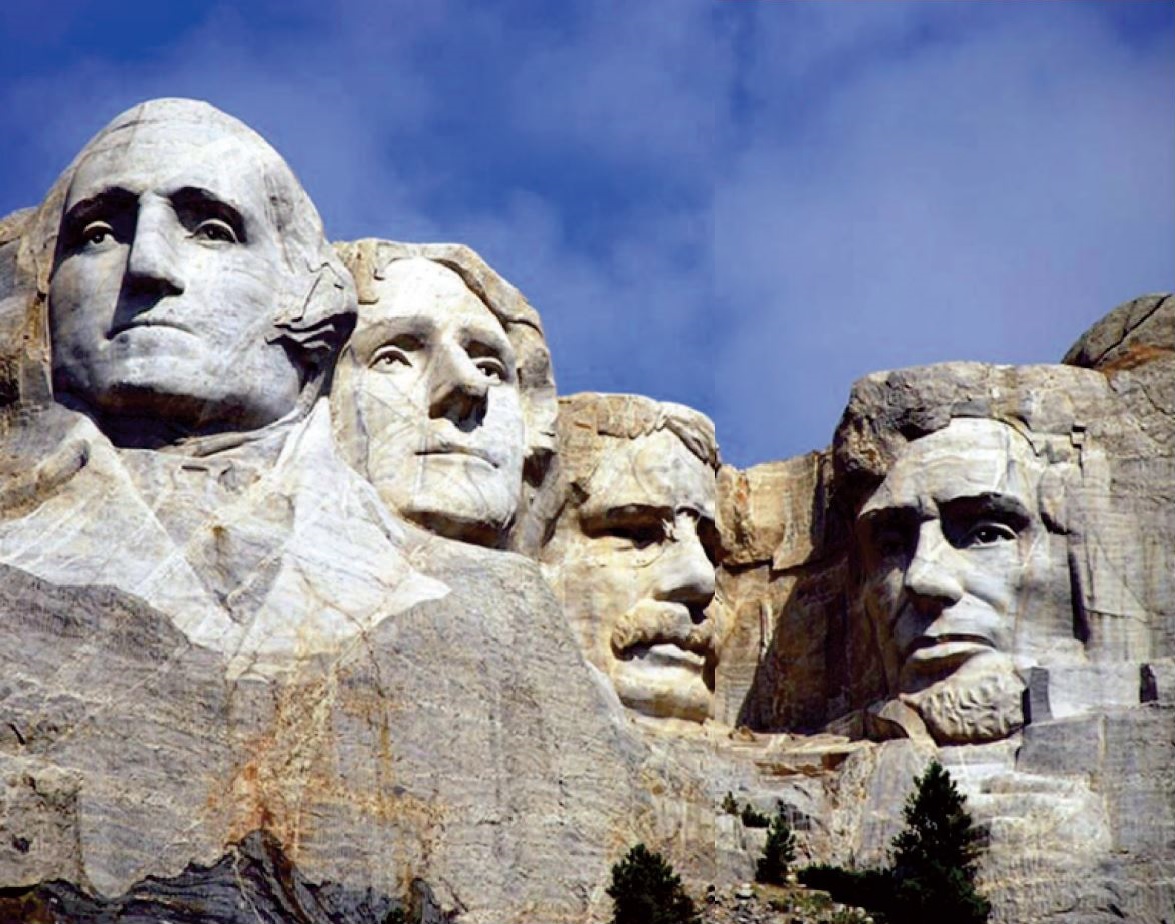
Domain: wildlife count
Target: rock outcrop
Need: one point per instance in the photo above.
(318, 606)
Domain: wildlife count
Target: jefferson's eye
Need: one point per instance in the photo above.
(97, 232)
(989, 532)
(389, 357)
(213, 229)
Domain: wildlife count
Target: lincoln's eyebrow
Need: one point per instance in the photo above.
(987, 504)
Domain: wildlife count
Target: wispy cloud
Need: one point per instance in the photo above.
(742, 206)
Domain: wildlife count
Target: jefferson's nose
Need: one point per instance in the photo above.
(931, 575)
(457, 388)
(686, 574)
(153, 262)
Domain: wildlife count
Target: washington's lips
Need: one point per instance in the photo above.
(444, 448)
(144, 321)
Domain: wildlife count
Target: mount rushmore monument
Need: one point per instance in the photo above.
(319, 600)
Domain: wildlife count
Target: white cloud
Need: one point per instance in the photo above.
(740, 206)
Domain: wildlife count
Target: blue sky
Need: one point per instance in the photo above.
(742, 205)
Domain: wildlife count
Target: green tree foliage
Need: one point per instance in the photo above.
(753, 818)
(935, 859)
(931, 879)
(779, 853)
(730, 804)
(645, 890)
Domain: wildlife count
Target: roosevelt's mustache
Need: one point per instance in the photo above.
(653, 622)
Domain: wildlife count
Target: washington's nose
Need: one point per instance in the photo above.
(930, 576)
(457, 389)
(687, 574)
(153, 263)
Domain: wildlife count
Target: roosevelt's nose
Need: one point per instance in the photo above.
(153, 263)
(932, 577)
(685, 572)
(457, 388)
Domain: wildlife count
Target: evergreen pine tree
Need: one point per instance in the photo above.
(645, 890)
(779, 852)
(935, 857)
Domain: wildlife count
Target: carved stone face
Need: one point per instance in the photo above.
(428, 405)
(168, 277)
(637, 574)
(956, 554)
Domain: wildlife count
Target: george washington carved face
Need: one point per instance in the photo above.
(173, 264)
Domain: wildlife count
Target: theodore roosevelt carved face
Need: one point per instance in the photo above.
(633, 555)
(183, 240)
(428, 403)
(954, 550)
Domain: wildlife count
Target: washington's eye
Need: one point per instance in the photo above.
(491, 368)
(213, 229)
(989, 532)
(97, 232)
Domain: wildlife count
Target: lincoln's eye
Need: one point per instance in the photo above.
(215, 230)
(987, 533)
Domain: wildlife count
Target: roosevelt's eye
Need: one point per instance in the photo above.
(639, 535)
(216, 231)
(989, 532)
(97, 233)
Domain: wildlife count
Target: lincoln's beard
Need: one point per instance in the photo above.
(982, 701)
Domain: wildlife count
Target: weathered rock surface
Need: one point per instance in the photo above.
(253, 883)
(266, 652)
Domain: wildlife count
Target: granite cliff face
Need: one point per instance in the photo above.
(325, 607)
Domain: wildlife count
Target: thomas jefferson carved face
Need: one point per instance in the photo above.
(637, 575)
(168, 276)
(957, 558)
(428, 404)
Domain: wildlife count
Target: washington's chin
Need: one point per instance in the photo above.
(663, 681)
